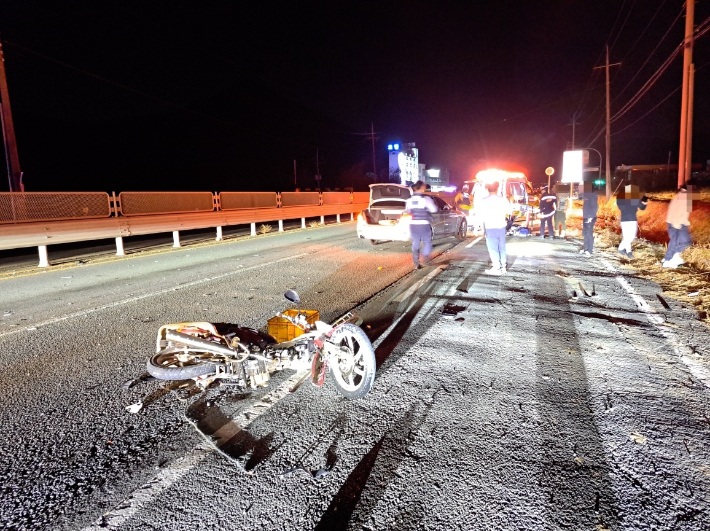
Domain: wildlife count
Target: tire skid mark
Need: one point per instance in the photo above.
(696, 369)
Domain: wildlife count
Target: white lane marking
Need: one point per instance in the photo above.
(148, 295)
(414, 287)
(145, 494)
(474, 242)
(696, 369)
(400, 298)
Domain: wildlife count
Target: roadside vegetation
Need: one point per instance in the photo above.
(689, 283)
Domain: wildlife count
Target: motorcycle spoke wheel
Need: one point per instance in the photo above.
(354, 368)
(166, 365)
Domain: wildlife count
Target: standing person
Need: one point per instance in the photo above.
(548, 207)
(629, 202)
(678, 220)
(463, 200)
(493, 211)
(420, 207)
(589, 215)
(561, 210)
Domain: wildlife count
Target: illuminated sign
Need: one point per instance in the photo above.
(433, 173)
(572, 166)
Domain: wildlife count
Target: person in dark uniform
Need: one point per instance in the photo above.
(589, 216)
(548, 206)
(420, 207)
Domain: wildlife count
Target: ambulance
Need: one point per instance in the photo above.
(512, 185)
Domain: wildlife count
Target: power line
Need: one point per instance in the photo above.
(657, 105)
(623, 25)
(658, 10)
(638, 71)
(702, 28)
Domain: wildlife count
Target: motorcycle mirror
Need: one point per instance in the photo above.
(292, 296)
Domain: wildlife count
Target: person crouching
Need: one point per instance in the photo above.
(420, 207)
(494, 209)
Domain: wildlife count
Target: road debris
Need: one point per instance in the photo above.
(637, 437)
(451, 310)
(135, 408)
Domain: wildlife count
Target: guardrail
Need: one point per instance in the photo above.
(26, 220)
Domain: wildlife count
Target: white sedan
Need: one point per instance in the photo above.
(385, 219)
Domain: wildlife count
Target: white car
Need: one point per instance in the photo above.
(384, 219)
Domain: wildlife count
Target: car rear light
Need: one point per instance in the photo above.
(359, 216)
(406, 218)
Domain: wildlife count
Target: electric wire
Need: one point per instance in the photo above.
(702, 29)
(658, 104)
(644, 30)
(621, 29)
(649, 57)
(601, 54)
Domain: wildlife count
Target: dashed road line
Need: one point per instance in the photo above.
(114, 304)
(474, 242)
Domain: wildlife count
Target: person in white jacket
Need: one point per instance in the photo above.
(494, 210)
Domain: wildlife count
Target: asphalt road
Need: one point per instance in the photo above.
(563, 395)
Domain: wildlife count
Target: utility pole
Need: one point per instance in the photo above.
(318, 178)
(372, 137)
(608, 125)
(686, 106)
(14, 174)
(295, 180)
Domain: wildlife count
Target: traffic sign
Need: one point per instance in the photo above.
(549, 171)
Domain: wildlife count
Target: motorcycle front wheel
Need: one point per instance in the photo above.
(167, 366)
(354, 369)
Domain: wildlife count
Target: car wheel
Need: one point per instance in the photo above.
(463, 228)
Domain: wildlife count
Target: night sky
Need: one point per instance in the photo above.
(115, 95)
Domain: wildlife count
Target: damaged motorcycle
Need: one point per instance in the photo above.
(296, 339)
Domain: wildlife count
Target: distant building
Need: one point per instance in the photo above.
(404, 167)
(404, 163)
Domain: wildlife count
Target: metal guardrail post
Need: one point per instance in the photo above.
(115, 207)
(337, 218)
(281, 225)
(219, 234)
(176, 238)
(119, 246)
(43, 259)
(322, 220)
(303, 223)
(253, 229)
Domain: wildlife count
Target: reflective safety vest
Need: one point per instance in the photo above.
(463, 201)
(417, 207)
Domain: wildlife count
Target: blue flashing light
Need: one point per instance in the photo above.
(396, 146)
(389, 146)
